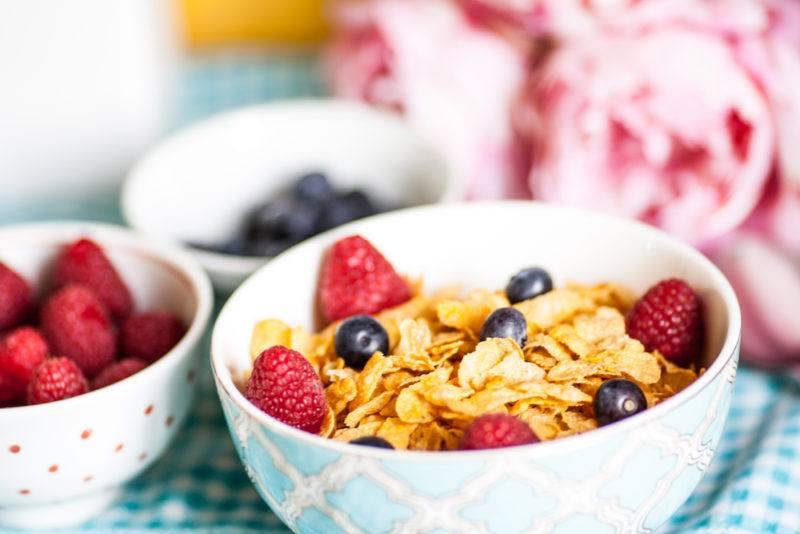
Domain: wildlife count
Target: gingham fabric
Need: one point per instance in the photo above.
(753, 484)
(226, 80)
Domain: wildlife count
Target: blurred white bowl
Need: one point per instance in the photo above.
(197, 185)
(63, 462)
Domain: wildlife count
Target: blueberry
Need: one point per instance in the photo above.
(314, 186)
(528, 283)
(373, 441)
(617, 399)
(305, 221)
(284, 218)
(506, 322)
(269, 218)
(335, 213)
(359, 203)
(347, 207)
(358, 338)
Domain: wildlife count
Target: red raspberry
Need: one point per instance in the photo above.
(77, 326)
(85, 263)
(497, 430)
(285, 386)
(149, 336)
(669, 319)
(56, 379)
(357, 280)
(118, 371)
(16, 300)
(21, 352)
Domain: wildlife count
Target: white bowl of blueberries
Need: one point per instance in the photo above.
(242, 187)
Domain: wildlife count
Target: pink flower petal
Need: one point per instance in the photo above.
(453, 80)
(666, 127)
(767, 283)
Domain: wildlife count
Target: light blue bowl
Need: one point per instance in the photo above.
(626, 477)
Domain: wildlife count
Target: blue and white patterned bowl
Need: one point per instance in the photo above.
(627, 477)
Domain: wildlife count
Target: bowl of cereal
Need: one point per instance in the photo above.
(241, 187)
(431, 369)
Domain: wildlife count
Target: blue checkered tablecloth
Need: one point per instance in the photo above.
(753, 484)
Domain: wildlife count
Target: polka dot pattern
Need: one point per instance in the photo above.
(85, 435)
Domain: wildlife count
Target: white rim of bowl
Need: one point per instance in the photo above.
(171, 256)
(454, 190)
(224, 379)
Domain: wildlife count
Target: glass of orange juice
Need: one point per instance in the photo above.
(290, 22)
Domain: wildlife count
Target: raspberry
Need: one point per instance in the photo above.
(16, 300)
(56, 379)
(149, 336)
(669, 319)
(497, 430)
(357, 280)
(85, 263)
(21, 352)
(77, 326)
(118, 371)
(285, 386)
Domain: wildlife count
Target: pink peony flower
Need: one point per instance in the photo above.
(773, 55)
(663, 125)
(453, 80)
(762, 259)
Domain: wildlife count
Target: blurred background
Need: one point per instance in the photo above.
(88, 86)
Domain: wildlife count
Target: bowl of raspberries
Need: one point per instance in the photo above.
(485, 367)
(97, 326)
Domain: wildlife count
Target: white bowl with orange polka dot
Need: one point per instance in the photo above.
(64, 462)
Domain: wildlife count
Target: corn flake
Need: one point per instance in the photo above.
(469, 314)
(340, 393)
(396, 432)
(272, 332)
(370, 407)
